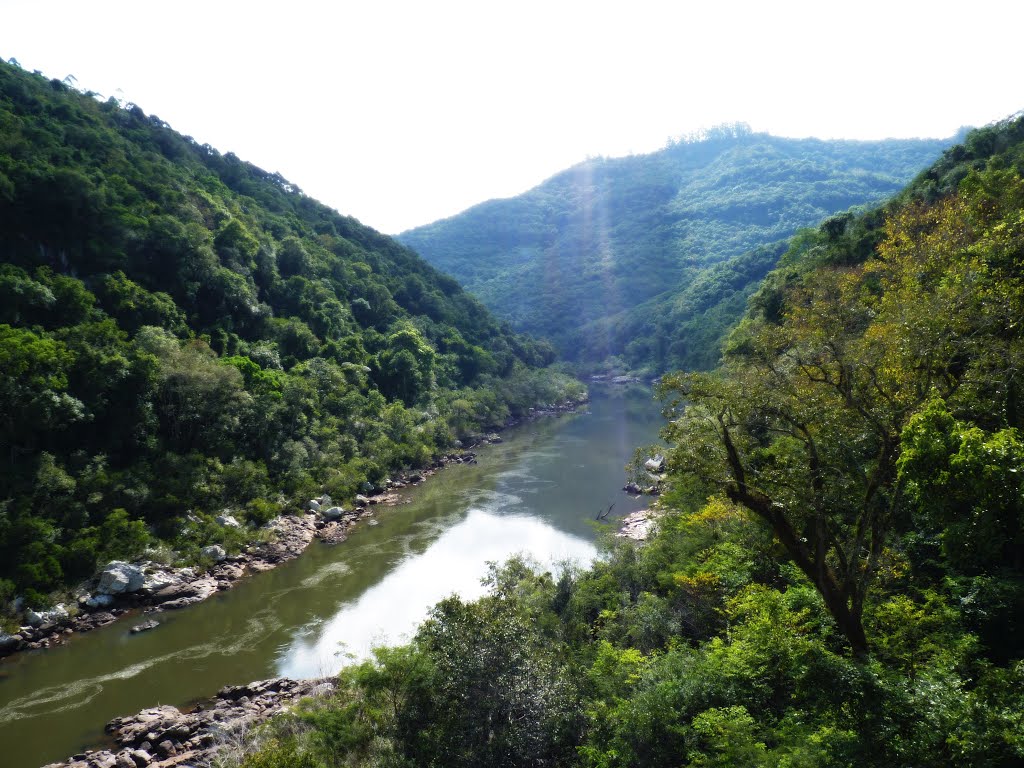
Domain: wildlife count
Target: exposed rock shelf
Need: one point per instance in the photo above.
(637, 526)
(163, 736)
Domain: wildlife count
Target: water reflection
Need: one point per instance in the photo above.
(455, 563)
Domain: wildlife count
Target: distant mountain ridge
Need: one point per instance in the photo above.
(604, 258)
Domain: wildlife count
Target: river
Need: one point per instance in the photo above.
(535, 493)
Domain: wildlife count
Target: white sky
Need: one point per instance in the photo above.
(400, 113)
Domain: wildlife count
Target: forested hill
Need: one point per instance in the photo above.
(611, 257)
(837, 578)
(181, 331)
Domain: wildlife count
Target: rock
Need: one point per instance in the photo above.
(334, 513)
(228, 572)
(135, 729)
(9, 642)
(180, 595)
(214, 552)
(145, 626)
(313, 506)
(161, 580)
(361, 501)
(103, 759)
(637, 526)
(228, 521)
(632, 488)
(124, 760)
(39, 618)
(166, 747)
(655, 464)
(100, 601)
(333, 533)
(494, 438)
(120, 577)
(141, 757)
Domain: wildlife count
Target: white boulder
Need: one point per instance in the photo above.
(120, 577)
(100, 601)
(215, 552)
(38, 618)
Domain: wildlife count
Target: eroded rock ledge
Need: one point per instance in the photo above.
(165, 737)
(638, 526)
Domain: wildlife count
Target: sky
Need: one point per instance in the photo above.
(402, 113)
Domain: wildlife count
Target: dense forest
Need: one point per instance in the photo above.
(644, 262)
(182, 332)
(838, 575)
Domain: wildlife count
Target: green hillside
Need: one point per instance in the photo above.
(609, 259)
(181, 331)
(838, 574)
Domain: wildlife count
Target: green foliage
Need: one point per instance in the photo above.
(848, 589)
(967, 485)
(182, 332)
(651, 258)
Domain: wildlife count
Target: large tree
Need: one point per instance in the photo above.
(803, 423)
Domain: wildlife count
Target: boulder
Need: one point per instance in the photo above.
(361, 501)
(214, 552)
(161, 580)
(181, 595)
(100, 601)
(655, 464)
(228, 521)
(120, 577)
(145, 626)
(334, 513)
(313, 506)
(38, 618)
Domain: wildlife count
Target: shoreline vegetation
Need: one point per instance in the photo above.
(190, 345)
(145, 588)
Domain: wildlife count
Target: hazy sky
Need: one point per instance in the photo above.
(400, 113)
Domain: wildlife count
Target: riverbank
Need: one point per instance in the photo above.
(220, 727)
(165, 737)
(638, 526)
(123, 590)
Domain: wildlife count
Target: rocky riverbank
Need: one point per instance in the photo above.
(165, 737)
(150, 587)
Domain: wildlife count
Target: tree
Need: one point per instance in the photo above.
(802, 425)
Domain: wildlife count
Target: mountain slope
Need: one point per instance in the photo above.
(181, 331)
(601, 258)
(836, 577)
